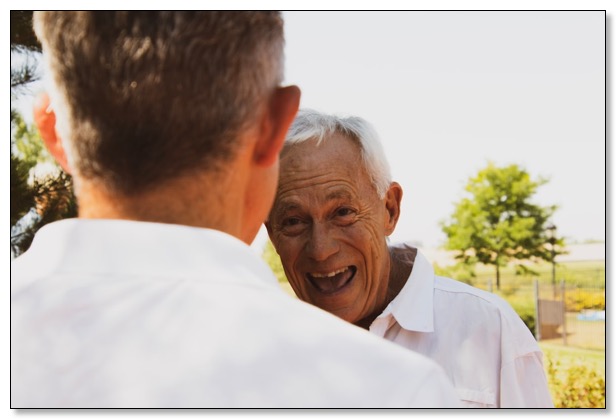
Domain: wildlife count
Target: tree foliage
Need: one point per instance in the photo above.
(27, 144)
(47, 198)
(498, 223)
(24, 45)
(22, 196)
(22, 34)
(53, 200)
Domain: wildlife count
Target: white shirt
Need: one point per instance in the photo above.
(488, 352)
(132, 314)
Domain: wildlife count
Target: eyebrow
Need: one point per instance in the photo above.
(339, 194)
(285, 207)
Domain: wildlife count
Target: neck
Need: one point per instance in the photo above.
(399, 272)
(402, 259)
(198, 200)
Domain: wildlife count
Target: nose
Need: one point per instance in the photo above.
(322, 244)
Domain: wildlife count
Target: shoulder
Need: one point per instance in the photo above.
(338, 352)
(470, 304)
(471, 295)
(344, 339)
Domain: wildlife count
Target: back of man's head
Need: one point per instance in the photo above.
(145, 96)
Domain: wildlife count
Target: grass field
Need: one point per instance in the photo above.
(590, 274)
(585, 335)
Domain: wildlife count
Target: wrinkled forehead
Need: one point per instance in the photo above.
(329, 169)
(335, 152)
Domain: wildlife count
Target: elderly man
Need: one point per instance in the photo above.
(335, 207)
(172, 124)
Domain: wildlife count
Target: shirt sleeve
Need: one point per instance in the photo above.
(523, 383)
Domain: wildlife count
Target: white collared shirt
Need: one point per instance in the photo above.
(488, 352)
(132, 314)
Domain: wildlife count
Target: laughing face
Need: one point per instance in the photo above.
(329, 227)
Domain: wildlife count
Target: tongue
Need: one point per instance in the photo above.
(334, 283)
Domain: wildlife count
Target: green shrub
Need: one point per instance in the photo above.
(523, 304)
(525, 307)
(575, 386)
(509, 289)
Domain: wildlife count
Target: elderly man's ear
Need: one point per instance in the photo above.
(279, 115)
(45, 120)
(392, 199)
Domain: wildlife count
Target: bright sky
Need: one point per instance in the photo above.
(450, 91)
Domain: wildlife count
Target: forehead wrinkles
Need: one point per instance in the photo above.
(309, 166)
(311, 194)
(311, 174)
(298, 184)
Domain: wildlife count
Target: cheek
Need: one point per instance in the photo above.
(366, 237)
(369, 240)
(289, 251)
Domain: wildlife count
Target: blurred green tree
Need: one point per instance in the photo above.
(497, 223)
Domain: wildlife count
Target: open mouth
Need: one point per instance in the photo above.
(331, 282)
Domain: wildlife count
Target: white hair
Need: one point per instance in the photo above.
(311, 124)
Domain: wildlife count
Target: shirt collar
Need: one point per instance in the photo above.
(413, 307)
(143, 248)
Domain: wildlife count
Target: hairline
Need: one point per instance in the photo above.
(319, 126)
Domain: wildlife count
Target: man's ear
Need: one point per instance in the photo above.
(278, 116)
(45, 120)
(393, 198)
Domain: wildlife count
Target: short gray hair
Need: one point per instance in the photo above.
(143, 97)
(311, 124)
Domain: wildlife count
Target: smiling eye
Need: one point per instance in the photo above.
(344, 216)
(290, 222)
(343, 212)
(292, 226)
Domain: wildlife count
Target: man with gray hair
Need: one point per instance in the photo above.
(171, 124)
(334, 209)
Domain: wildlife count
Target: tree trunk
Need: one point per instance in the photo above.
(497, 275)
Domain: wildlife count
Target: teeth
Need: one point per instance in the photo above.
(329, 275)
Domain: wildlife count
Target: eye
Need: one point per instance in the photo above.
(292, 226)
(290, 222)
(343, 212)
(344, 216)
